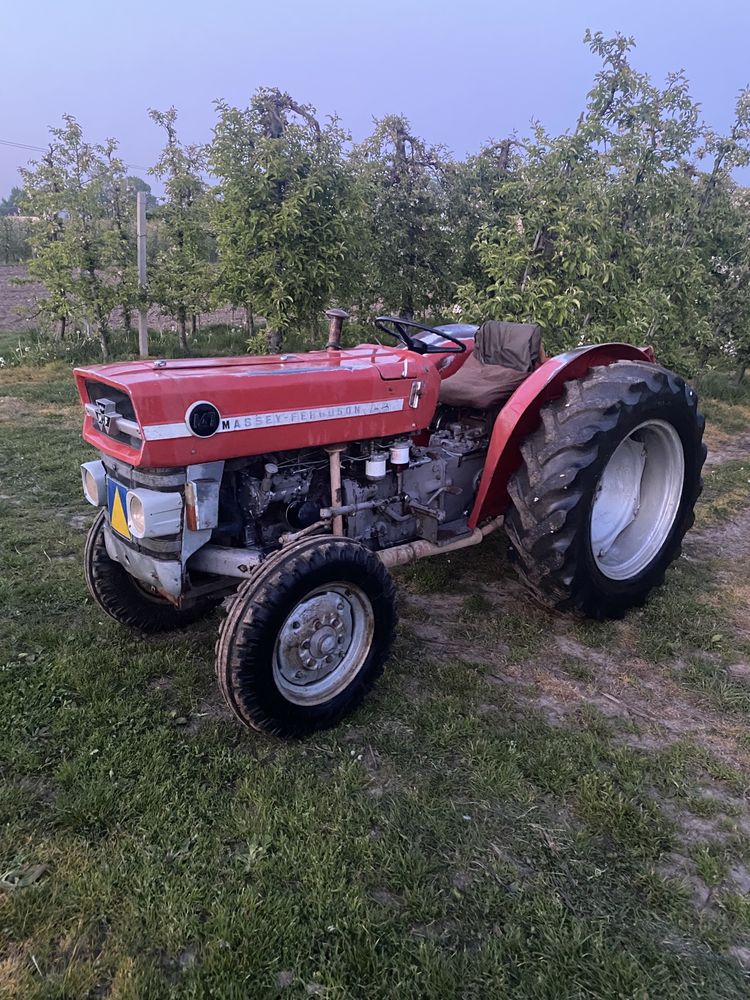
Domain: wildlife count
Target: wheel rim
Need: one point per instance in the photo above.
(323, 643)
(637, 499)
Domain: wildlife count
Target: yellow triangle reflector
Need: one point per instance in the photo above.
(118, 519)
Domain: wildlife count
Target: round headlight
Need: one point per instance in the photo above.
(136, 515)
(94, 482)
(90, 487)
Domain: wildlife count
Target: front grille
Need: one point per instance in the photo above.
(112, 412)
(123, 402)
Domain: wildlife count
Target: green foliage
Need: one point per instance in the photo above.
(81, 250)
(406, 245)
(182, 275)
(278, 209)
(14, 239)
(12, 204)
(612, 231)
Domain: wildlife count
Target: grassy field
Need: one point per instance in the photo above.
(527, 807)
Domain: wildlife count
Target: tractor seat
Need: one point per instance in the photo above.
(504, 355)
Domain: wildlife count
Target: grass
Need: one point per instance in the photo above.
(726, 490)
(450, 840)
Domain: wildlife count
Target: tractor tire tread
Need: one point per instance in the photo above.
(552, 485)
(251, 615)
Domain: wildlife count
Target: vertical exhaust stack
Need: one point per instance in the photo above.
(336, 319)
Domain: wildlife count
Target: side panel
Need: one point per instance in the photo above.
(520, 417)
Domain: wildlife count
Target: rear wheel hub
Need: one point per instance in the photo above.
(637, 499)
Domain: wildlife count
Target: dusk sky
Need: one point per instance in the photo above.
(462, 71)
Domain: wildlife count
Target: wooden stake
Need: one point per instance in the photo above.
(141, 237)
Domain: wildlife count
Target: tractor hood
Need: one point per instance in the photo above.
(170, 413)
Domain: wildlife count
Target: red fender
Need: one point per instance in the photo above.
(520, 417)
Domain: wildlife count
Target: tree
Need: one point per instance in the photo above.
(14, 239)
(476, 198)
(77, 250)
(135, 184)
(181, 271)
(12, 204)
(278, 209)
(600, 236)
(409, 250)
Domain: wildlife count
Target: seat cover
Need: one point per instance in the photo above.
(503, 357)
(515, 345)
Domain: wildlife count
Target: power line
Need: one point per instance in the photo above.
(43, 149)
(21, 145)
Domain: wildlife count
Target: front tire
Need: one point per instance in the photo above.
(307, 637)
(607, 489)
(124, 599)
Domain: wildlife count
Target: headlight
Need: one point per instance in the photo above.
(136, 515)
(152, 514)
(94, 480)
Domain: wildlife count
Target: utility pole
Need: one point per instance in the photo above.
(140, 201)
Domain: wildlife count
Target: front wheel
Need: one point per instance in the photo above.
(607, 488)
(125, 599)
(306, 638)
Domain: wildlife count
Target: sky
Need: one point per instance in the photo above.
(462, 71)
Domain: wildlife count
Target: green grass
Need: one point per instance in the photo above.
(724, 387)
(726, 490)
(448, 841)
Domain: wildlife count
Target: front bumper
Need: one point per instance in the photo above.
(163, 574)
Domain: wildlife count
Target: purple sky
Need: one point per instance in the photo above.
(462, 71)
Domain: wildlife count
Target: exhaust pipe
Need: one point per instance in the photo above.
(410, 552)
(336, 319)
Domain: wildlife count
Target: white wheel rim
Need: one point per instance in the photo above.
(637, 499)
(323, 643)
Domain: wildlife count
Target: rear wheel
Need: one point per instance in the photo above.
(306, 637)
(125, 599)
(607, 488)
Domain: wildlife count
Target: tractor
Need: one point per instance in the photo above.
(286, 487)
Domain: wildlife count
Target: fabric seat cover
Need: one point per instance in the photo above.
(503, 357)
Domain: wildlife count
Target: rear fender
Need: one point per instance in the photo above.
(520, 417)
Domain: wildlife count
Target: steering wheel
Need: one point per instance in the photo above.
(399, 325)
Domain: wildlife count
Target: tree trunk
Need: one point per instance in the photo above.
(194, 325)
(407, 305)
(104, 341)
(273, 338)
(250, 319)
(182, 316)
(740, 373)
(127, 321)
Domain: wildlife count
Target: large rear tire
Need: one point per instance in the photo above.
(306, 637)
(607, 489)
(126, 600)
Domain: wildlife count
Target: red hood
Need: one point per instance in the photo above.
(267, 403)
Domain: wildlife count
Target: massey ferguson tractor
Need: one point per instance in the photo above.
(288, 486)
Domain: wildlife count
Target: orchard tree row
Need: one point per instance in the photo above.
(629, 226)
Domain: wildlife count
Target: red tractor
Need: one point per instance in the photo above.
(288, 486)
